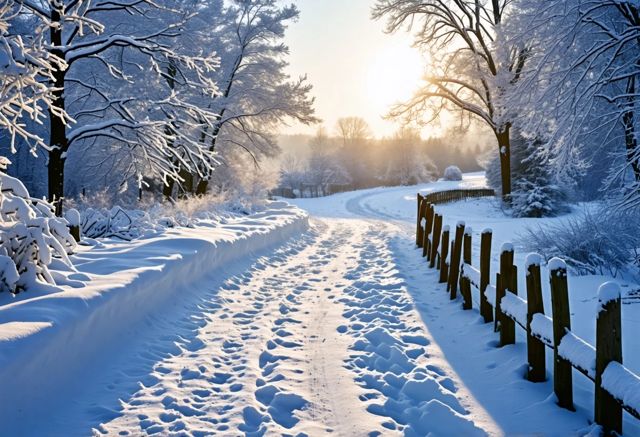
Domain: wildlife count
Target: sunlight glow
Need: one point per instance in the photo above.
(393, 76)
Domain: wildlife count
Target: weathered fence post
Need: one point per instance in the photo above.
(423, 220)
(485, 274)
(508, 281)
(535, 347)
(444, 252)
(419, 224)
(454, 268)
(562, 380)
(426, 244)
(437, 229)
(608, 412)
(465, 284)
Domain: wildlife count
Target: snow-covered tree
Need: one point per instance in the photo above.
(110, 48)
(580, 89)
(470, 68)
(24, 60)
(256, 94)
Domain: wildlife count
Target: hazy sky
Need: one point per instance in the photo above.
(355, 68)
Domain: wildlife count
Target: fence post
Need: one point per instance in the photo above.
(437, 229)
(562, 382)
(535, 347)
(444, 252)
(423, 217)
(454, 267)
(507, 278)
(465, 284)
(419, 225)
(608, 411)
(485, 274)
(426, 244)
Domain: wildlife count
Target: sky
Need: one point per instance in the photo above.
(355, 68)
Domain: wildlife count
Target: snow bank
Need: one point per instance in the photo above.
(45, 339)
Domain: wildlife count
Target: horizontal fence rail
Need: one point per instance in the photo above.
(616, 387)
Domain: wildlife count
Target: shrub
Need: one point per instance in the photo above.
(452, 173)
(31, 237)
(595, 242)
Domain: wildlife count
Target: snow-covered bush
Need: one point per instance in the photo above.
(452, 173)
(31, 236)
(596, 241)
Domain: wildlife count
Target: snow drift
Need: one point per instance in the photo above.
(45, 339)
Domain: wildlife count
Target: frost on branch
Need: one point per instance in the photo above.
(31, 237)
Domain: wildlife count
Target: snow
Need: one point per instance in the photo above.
(490, 293)
(609, 291)
(468, 231)
(331, 325)
(73, 216)
(556, 264)
(578, 352)
(515, 307)
(533, 259)
(622, 384)
(487, 231)
(472, 274)
(542, 328)
(126, 282)
(506, 247)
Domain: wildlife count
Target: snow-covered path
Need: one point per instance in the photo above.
(305, 341)
(341, 331)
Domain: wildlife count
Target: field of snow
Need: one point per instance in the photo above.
(339, 330)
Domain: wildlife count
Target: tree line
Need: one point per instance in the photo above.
(349, 158)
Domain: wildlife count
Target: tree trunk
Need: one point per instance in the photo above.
(504, 149)
(167, 189)
(628, 121)
(57, 128)
(202, 187)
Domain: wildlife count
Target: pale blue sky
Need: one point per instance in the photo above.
(356, 69)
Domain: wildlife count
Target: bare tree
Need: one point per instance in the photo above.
(352, 130)
(470, 69)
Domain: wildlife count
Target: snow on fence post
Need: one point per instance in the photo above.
(418, 224)
(465, 284)
(444, 252)
(437, 230)
(608, 412)
(508, 281)
(562, 369)
(535, 347)
(454, 267)
(485, 274)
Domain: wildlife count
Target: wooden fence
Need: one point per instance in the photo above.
(616, 387)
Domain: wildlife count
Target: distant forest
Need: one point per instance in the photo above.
(350, 158)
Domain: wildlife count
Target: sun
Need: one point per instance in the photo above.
(394, 75)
